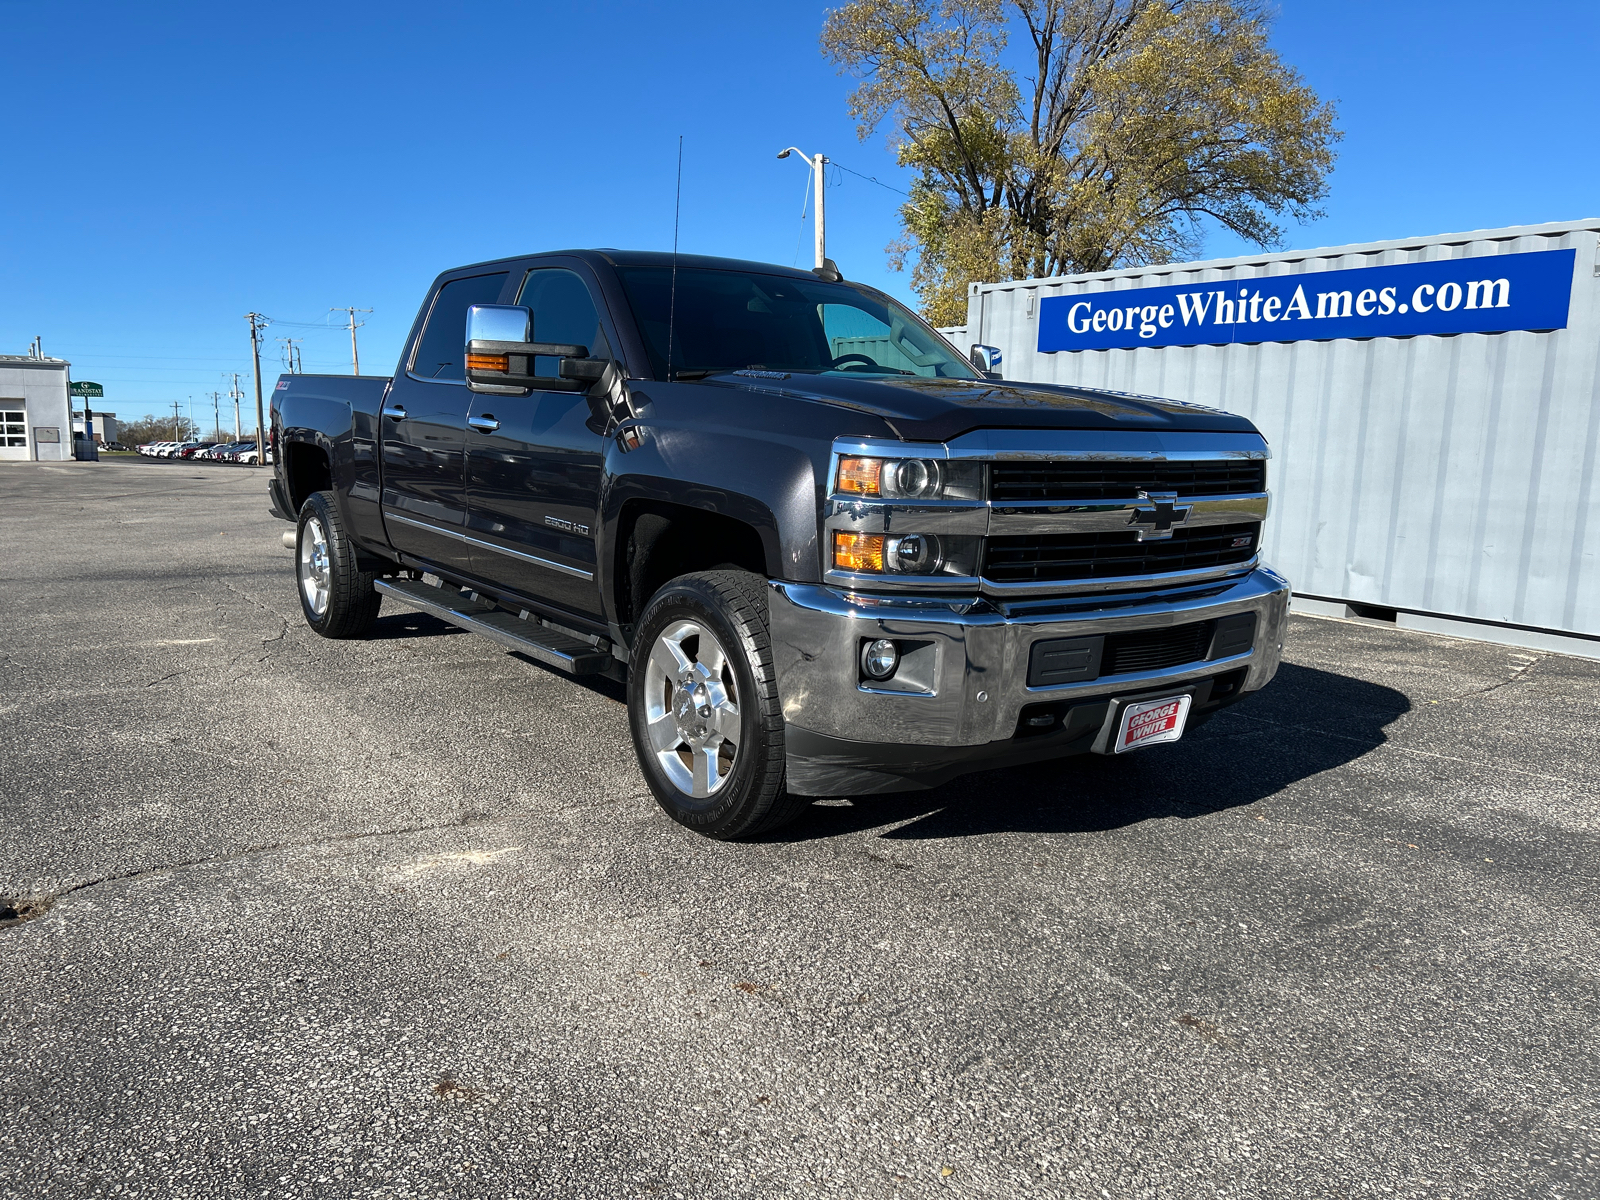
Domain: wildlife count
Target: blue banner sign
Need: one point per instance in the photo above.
(1488, 294)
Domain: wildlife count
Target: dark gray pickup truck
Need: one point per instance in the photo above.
(828, 554)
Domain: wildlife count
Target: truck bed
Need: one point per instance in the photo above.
(338, 415)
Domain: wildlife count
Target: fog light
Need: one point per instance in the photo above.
(880, 658)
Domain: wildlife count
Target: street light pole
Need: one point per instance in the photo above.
(818, 181)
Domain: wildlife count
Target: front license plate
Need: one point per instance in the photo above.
(1152, 721)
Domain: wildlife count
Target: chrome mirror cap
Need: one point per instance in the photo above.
(499, 323)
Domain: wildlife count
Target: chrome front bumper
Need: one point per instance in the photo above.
(974, 681)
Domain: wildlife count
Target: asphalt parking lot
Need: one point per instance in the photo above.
(398, 918)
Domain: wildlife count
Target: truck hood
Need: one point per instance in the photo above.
(937, 410)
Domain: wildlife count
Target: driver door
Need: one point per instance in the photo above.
(534, 463)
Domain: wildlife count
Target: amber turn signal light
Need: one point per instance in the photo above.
(857, 551)
(488, 362)
(860, 476)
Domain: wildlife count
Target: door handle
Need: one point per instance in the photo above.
(394, 411)
(484, 424)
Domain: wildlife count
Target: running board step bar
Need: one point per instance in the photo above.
(549, 646)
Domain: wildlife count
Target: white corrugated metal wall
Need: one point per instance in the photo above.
(1452, 475)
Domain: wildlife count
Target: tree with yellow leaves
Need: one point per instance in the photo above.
(1140, 119)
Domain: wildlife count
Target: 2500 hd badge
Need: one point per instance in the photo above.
(827, 554)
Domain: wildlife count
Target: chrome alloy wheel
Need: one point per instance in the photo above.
(316, 576)
(692, 708)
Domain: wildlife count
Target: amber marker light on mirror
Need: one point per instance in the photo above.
(488, 362)
(860, 476)
(857, 551)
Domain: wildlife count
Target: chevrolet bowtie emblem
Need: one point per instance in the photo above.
(1156, 514)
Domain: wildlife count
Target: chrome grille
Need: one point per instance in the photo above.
(1097, 479)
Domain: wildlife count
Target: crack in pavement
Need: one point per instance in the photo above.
(46, 900)
(264, 607)
(1516, 676)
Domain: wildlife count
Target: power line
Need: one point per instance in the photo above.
(805, 204)
(869, 178)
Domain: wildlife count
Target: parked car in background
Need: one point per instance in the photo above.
(190, 449)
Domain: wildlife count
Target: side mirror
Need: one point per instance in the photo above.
(987, 360)
(500, 354)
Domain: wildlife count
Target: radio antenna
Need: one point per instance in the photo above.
(672, 303)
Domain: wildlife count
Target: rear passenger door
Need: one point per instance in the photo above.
(424, 426)
(533, 478)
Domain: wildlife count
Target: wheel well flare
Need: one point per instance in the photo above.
(658, 542)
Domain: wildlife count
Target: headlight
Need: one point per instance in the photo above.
(891, 478)
(915, 553)
(907, 479)
(878, 553)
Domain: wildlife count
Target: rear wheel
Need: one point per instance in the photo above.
(337, 597)
(703, 706)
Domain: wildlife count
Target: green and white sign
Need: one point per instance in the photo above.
(84, 388)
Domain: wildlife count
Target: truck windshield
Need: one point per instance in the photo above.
(737, 320)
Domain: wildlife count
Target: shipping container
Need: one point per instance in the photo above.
(1433, 407)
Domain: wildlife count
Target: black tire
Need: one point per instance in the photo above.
(336, 595)
(748, 796)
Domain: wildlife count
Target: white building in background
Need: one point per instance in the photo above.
(1432, 404)
(35, 415)
(106, 428)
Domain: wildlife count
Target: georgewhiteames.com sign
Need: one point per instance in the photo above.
(1487, 294)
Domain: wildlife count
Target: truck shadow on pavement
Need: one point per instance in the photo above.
(1305, 722)
(397, 624)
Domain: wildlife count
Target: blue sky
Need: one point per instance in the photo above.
(169, 167)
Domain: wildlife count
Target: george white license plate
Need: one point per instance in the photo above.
(1152, 721)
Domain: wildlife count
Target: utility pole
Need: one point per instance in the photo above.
(216, 415)
(355, 359)
(238, 434)
(292, 358)
(175, 421)
(818, 181)
(257, 324)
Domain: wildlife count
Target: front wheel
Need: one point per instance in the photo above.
(703, 706)
(337, 597)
